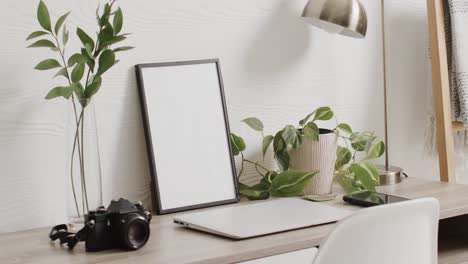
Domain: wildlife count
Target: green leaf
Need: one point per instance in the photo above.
(305, 119)
(344, 178)
(118, 21)
(47, 65)
(125, 48)
(89, 50)
(278, 142)
(66, 35)
(343, 157)
(77, 58)
(377, 151)
(266, 143)
(366, 173)
(79, 90)
(323, 113)
(321, 198)
(237, 144)
(84, 102)
(61, 72)
(359, 141)
(114, 40)
(345, 128)
(289, 136)
(36, 34)
(43, 43)
(85, 39)
(290, 183)
(106, 61)
(60, 22)
(98, 18)
(105, 16)
(106, 35)
(254, 123)
(257, 192)
(283, 159)
(269, 176)
(43, 16)
(89, 59)
(93, 88)
(78, 72)
(312, 131)
(64, 92)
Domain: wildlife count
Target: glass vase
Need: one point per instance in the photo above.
(84, 179)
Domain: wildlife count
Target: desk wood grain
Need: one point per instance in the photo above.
(173, 244)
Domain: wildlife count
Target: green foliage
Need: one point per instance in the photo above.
(47, 65)
(345, 128)
(290, 183)
(323, 113)
(352, 174)
(321, 198)
(106, 61)
(125, 48)
(266, 144)
(343, 157)
(311, 131)
(254, 123)
(60, 22)
(283, 184)
(78, 72)
(76, 58)
(377, 150)
(36, 34)
(93, 88)
(43, 43)
(64, 92)
(237, 144)
(43, 16)
(78, 68)
(118, 21)
(85, 38)
(62, 72)
(355, 175)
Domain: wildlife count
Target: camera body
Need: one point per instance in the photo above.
(122, 225)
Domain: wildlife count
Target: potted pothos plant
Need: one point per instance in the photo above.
(82, 71)
(350, 163)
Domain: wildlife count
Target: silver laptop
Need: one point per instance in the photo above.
(263, 218)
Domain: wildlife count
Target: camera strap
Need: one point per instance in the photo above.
(71, 239)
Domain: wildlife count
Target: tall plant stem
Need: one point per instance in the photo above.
(83, 175)
(71, 167)
(77, 121)
(242, 166)
(256, 164)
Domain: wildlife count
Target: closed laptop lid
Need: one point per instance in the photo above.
(256, 219)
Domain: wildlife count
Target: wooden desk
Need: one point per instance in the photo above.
(173, 244)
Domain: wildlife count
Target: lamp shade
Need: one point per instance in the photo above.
(345, 17)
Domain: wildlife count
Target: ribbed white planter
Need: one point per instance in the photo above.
(317, 155)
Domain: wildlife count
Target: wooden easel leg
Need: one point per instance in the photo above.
(441, 91)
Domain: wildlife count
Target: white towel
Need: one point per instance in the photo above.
(456, 23)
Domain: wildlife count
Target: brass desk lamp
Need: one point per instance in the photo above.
(349, 18)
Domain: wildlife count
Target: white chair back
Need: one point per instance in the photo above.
(400, 233)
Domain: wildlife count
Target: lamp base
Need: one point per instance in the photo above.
(392, 175)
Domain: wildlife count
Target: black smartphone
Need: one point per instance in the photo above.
(368, 198)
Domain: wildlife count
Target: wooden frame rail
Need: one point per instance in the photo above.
(441, 90)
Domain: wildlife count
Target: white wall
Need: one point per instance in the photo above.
(274, 66)
(409, 85)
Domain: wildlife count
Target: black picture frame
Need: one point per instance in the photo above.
(155, 194)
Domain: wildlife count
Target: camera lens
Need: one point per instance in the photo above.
(135, 231)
